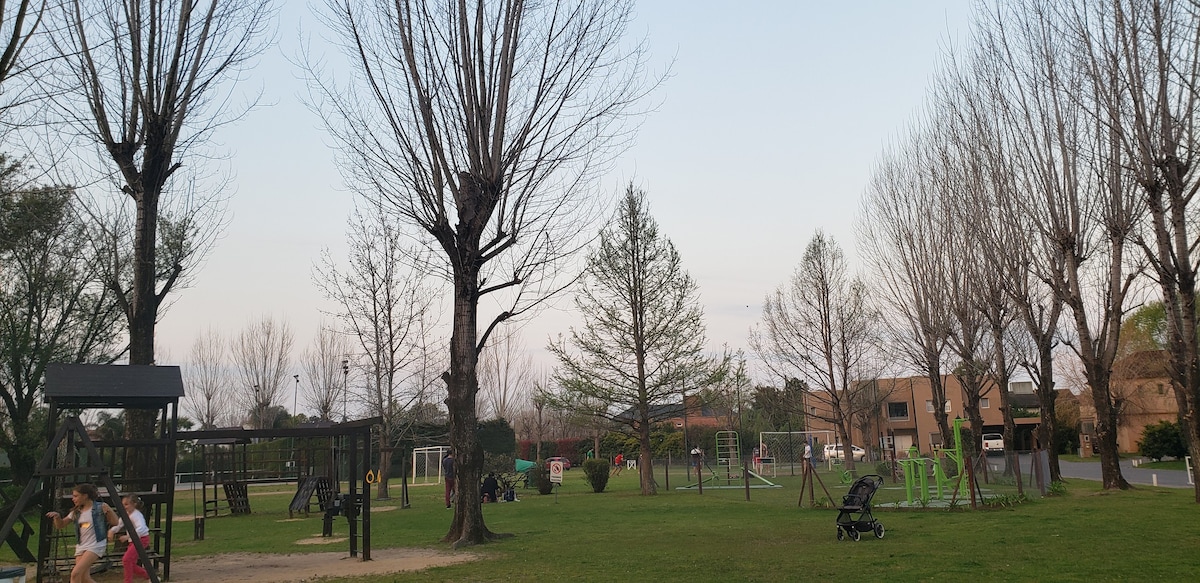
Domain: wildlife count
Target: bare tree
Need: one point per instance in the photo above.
(262, 355)
(1061, 116)
(482, 124)
(1015, 283)
(505, 375)
(19, 21)
(209, 393)
(903, 235)
(141, 82)
(322, 364)
(386, 310)
(1155, 57)
(818, 328)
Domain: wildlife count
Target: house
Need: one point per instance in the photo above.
(696, 414)
(905, 415)
(1143, 394)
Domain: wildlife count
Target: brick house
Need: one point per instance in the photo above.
(1143, 394)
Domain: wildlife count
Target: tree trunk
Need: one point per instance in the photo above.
(645, 466)
(142, 313)
(385, 466)
(1106, 434)
(1048, 427)
(462, 385)
(938, 390)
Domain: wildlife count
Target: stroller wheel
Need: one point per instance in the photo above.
(878, 530)
(841, 534)
(854, 535)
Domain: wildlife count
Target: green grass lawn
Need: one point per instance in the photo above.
(1086, 534)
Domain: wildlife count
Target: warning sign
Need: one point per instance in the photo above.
(556, 471)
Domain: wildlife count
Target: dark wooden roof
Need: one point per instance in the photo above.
(112, 385)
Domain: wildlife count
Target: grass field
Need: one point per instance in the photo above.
(1084, 534)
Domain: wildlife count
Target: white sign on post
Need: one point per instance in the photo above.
(556, 470)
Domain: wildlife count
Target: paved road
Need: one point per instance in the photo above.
(1141, 476)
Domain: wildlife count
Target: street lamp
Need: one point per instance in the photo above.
(257, 408)
(295, 394)
(345, 386)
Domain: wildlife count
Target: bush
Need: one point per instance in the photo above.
(596, 472)
(539, 476)
(1162, 440)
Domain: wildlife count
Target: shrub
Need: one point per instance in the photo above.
(539, 476)
(596, 472)
(1162, 440)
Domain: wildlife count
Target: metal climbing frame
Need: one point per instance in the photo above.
(729, 455)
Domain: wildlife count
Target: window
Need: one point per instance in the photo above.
(984, 403)
(929, 406)
(897, 410)
(1021, 387)
(935, 439)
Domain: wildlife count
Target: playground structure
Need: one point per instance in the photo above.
(318, 458)
(731, 472)
(72, 458)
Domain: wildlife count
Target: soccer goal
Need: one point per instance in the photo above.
(782, 452)
(427, 464)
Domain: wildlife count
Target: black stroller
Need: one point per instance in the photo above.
(858, 501)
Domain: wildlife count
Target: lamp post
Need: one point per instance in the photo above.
(295, 395)
(345, 386)
(257, 408)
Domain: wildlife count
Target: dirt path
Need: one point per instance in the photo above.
(297, 568)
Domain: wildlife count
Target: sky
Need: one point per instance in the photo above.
(767, 131)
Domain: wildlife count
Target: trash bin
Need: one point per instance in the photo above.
(12, 574)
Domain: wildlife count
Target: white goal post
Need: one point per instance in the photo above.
(427, 464)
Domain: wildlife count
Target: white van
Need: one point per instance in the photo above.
(993, 443)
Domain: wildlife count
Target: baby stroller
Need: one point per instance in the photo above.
(858, 501)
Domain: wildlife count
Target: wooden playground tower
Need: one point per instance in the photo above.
(72, 457)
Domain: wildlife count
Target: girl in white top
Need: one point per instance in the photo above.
(91, 518)
(133, 507)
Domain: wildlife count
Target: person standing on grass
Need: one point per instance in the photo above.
(618, 464)
(91, 518)
(133, 507)
(448, 474)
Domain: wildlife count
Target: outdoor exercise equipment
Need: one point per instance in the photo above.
(728, 475)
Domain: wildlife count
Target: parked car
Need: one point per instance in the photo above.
(993, 443)
(566, 462)
(835, 452)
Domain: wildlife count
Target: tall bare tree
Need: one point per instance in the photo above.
(819, 328)
(1064, 124)
(1155, 54)
(506, 376)
(386, 309)
(142, 82)
(903, 235)
(209, 397)
(482, 124)
(262, 355)
(642, 340)
(322, 364)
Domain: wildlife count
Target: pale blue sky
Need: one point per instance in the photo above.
(767, 131)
